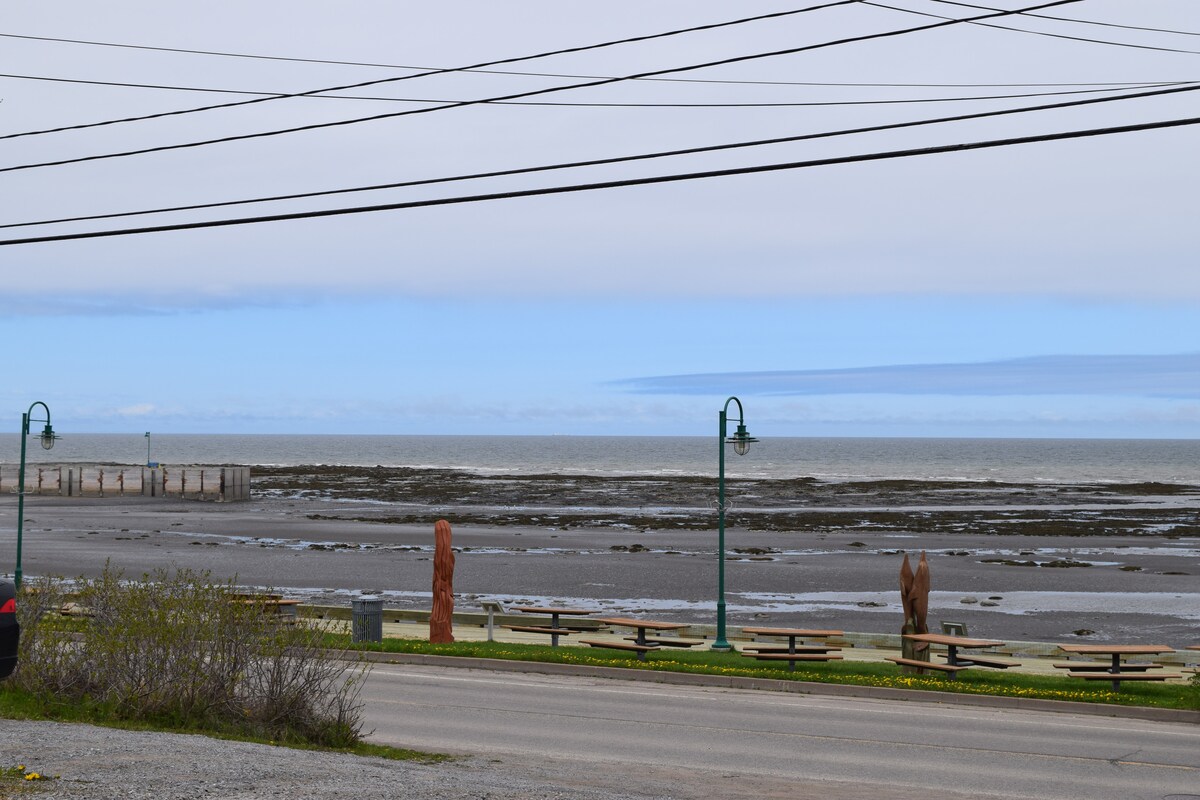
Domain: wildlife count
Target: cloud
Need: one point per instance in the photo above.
(142, 302)
(1168, 376)
(139, 410)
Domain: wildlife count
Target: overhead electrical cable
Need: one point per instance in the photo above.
(1114, 86)
(537, 92)
(571, 75)
(823, 84)
(1032, 33)
(586, 187)
(612, 160)
(446, 70)
(334, 62)
(372, 64)
(560, 104)
(1086, 21)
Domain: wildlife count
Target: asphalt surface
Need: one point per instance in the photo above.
(693, 742)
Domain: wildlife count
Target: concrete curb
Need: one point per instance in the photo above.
(797, 687)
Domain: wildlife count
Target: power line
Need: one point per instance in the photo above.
(613, 160)
(553, 104)
(570, 75)
(519, 95)
(1032, 33)
(585, 187)
(1112, 86)
(835, 84)
(226, 54)
(1086, 21)
(442, 71)
(579, 76)
(368, 63)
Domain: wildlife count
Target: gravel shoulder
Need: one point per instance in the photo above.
(96, 762)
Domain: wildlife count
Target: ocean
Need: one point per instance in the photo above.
(830, 459)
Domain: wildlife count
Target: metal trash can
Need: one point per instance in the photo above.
(366, 622)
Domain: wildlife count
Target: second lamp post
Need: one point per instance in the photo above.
(47, 437)
(741, 443)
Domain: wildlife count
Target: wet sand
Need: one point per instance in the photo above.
(1135, 577)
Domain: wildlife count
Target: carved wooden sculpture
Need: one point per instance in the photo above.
(914, 597)
(440, 626)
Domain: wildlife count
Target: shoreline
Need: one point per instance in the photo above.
(835, 577)
(832, 459)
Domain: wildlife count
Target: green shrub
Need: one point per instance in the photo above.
(181, 649)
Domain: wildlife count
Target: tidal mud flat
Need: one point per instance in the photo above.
(1049, 562)
(407, 495)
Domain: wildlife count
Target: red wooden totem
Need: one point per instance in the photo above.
(440, 626)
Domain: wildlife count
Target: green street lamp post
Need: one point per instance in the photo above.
(47, 437)
(147, 448)
(741, 443)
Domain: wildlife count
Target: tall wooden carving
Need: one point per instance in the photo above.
(914, 597)
(440, 627)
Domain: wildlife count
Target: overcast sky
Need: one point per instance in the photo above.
(1044, 289)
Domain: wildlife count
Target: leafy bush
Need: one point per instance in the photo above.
(182, 649)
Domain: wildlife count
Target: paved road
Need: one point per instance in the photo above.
(672, 741)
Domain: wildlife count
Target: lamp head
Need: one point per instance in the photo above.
(48, 437)
(741, 440)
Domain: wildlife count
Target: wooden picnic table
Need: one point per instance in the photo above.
(640, 644)
(286, 609)
(1115, 671)
(954, 663)
(793, 652)
(554, 629)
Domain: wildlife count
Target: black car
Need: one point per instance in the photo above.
(10, 631)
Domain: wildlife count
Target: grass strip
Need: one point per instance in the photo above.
(22, 705)
(859, 673)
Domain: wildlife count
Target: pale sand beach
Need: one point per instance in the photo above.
(1128, 585)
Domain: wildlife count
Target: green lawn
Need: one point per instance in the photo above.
(17, 704)
(859, 673)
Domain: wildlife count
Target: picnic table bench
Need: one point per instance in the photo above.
(1103, 666)
(554, 629)
(640, 649)
(792, 652)
(954, 662)
(951, 669)
(667, 641)
(639, 643)
(287, 610)
(1115, 671)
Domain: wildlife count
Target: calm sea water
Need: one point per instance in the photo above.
(1041, 460)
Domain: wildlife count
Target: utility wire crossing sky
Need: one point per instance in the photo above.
(1052, 233)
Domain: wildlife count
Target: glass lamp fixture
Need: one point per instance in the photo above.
(741, 441)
